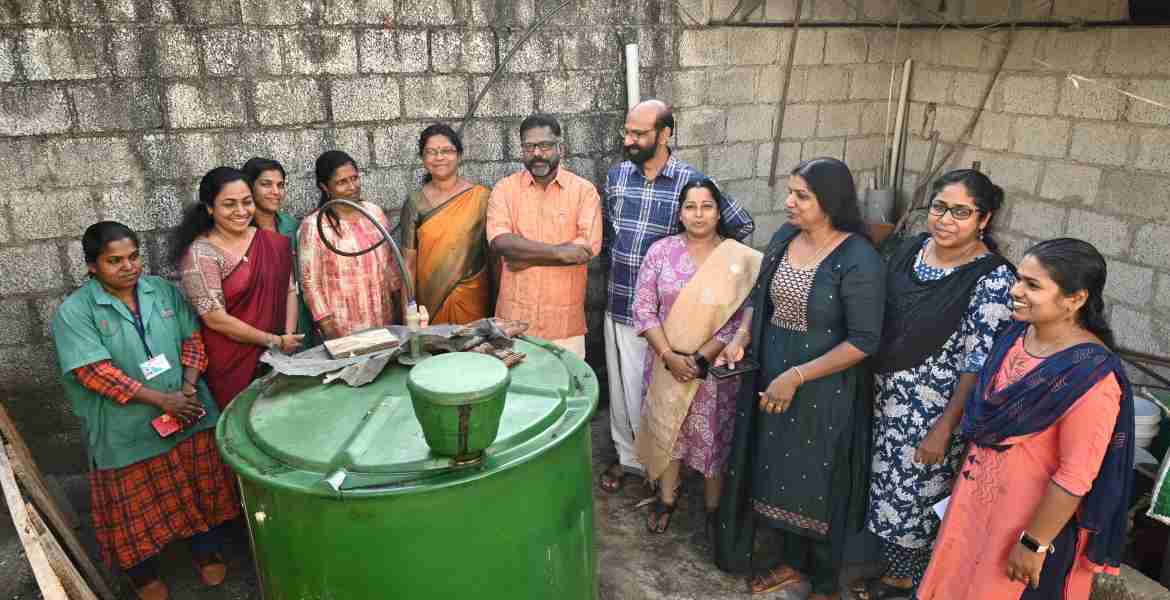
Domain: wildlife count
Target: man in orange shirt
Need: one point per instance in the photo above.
(545, 223)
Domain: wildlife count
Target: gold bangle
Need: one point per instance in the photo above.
(799, 373)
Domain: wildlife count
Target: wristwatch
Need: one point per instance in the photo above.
(1030, 543)
(274, 342)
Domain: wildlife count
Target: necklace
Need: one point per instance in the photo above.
(816, 259)
(1047, 348)
(958, 263)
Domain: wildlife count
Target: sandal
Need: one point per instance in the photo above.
(876, 589)
(776, 578)
(154, 590)
(212, 569)
(654, 524)
(711, 526)
(613, 478)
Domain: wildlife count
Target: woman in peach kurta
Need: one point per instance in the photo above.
(1051, 452)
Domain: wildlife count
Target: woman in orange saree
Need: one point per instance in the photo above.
(443, 235)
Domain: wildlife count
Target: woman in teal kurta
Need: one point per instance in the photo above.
(130, 352)
(267, 180)
(800, 452)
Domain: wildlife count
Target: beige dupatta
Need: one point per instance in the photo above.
(703, 306)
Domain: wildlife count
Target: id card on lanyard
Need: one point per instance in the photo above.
(154, 365)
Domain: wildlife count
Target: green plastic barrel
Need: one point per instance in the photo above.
(345, 500)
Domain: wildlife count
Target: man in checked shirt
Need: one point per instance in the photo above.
(641, 206)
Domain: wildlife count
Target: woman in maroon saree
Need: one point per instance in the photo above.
(239, 279)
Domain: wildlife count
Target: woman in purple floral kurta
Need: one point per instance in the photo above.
(705, 438)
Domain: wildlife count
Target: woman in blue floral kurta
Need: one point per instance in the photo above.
(948, 296)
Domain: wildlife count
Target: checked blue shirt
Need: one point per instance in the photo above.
(638, 213)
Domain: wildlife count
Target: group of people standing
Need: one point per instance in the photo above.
(876, 388)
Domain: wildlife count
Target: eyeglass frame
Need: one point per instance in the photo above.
(951, 209)
(438, 152)
(544, 147)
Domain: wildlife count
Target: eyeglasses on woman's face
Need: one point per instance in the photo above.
(447, 152)
(939, 208)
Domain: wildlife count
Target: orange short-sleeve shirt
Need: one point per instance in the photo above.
(550, 299)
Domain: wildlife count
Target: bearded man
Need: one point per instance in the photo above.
(641, 207)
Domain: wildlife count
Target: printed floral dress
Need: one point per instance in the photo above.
(908, 403)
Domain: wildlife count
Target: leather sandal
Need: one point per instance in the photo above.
(776, 578)
(876, 589)
(212, 569)
(613, 478)
(153, 590)
(655, 523)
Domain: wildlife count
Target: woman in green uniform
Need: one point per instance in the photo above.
(800, 453)
(268, 182)
(131, 357)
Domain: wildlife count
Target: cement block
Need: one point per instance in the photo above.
(388, 189)
(822, 148)
(800, 121)
(1041, 137)
(586, 49)
(874, 118)
(1138, 52)
(826, 84)
(1162, 297)
(1090, 10)
(276, 12)
(1101, 143)
(994, 131)
(1154, 150)
(789, 158)
(178, 52)
(59, 54)
(993, 11)
(810, 47)
(33, 110)
(1070, 183)
(872, 82)
(567, 92)
(125, 45)
(43, 215)
(397, 145)
(726, 162)
(518, 13)
(695, 156)
(21, 12)
(204, 12)
(485, 141)
(967, 88)
(1090, 101)
(752, 122)
(393, 51)
(834, 10)
(885, 47)
(29, 269)
(8, 60)
(781, 10)
(703, 48)
(1075, 51)
(846, 46)
(510, 96)
(455, 50)
(312, 52)
(427, 12)
(586, 135)
(287, 101)
(223, 52)
(438, 97)
(1144, 112)
(770, 80)
(1145, 196)
(1150, 245)
(33, 366)
(879, 10)
(655, 48)
(1010, 173)
(1037, 219)
(209, 103)
(950, 121)
(297, 149)
(1128, 283)
(124, 105)
(88, 161)
(538, 54)
(1025, 48)
(864, 153)
(1029, 95)
(731, 86)
(369, 12)
(354, 140)
(178, 155)
(1137, 331)
(753, 194)
(683, 88)
(839, 119)
(1109, 234)
(930, 85)
(757, 47)
(16, 324)
(964, 49)
(144, 209)
(703, 126)
(366, 99)
(44, 308)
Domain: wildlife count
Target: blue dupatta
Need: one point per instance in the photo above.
(1037, 401)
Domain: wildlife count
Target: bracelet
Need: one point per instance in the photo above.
(799, 373)
(273, 341)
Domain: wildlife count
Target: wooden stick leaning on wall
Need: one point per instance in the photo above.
(46, 577)
(71, 579)
(30, 476)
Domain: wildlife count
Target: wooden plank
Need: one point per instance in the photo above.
(365, 342)
(71, 579)
(47, 579)
(34, 483)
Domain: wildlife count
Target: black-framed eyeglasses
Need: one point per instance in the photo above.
(625, 132)
(544, 147)
(958, 211)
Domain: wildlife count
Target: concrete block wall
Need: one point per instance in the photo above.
(114, 109)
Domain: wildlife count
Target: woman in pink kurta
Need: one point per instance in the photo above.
(1051, 453)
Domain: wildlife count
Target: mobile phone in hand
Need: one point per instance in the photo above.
(166, 425)
(744, 366)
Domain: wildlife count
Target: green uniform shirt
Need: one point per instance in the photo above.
(92, 326)
(287, 225)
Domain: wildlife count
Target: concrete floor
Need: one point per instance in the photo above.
(633, 564)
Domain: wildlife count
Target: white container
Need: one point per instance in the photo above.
(1146, 412)
(1144, 441)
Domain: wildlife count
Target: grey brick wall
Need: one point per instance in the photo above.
(114, 108)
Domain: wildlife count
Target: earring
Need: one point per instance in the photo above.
(980, 234)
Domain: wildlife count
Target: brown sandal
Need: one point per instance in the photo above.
(212, 569)
(776, 578)
(613, 478)
(153, 590)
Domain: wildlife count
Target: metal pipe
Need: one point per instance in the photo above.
(386, 238)
(781, 107)
(633, 84)
(973, 27)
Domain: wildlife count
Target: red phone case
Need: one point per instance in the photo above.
(166, 425)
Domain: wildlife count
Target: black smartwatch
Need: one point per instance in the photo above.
(1032, 544)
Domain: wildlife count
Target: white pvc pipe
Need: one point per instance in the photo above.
(633, 93)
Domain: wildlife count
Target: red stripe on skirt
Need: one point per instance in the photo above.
(140, 508)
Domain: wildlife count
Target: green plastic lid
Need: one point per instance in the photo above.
(332, 439)
(458, 378)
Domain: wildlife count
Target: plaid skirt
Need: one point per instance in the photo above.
(140, 508)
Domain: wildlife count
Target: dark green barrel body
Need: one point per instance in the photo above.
(345, 501)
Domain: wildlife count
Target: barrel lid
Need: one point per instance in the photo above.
(458, 377)
(331, 439)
